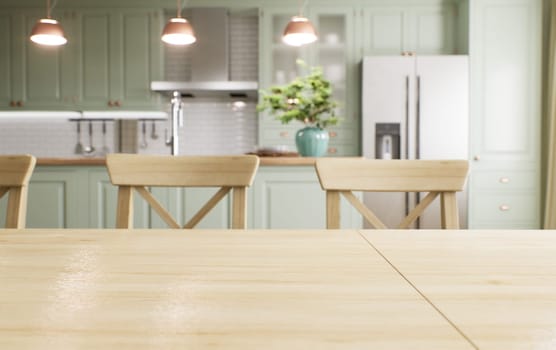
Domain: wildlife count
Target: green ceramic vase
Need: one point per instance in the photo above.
(312, 141)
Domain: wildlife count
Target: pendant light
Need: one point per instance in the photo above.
(48, 31)
(299, 31)
(178, 31)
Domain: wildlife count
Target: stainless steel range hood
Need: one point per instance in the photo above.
(209, 58)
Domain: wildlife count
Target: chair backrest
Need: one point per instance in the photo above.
(133, 171)
(15, 172)
(438, 177)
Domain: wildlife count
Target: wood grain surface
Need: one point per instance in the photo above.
(207, 289)
(497, 287)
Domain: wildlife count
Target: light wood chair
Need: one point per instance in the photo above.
(437, 177)
(133, 171)
(15, 172)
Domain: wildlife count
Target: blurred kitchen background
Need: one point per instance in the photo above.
(228, 124)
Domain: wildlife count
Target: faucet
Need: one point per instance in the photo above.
(177, 122)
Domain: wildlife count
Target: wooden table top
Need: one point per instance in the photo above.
(497, 287)
(277, 289)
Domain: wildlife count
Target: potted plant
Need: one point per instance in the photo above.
(308, 99)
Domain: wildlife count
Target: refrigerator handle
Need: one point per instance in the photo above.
(406, 127)
(418, 138)
(418, 120)
(406, 135)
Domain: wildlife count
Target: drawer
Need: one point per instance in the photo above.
(502, 210)
(505, 180)
(288, 132)
(341, 150)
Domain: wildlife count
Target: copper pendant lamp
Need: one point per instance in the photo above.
(299, 31)
(48, 31)
(178, 31)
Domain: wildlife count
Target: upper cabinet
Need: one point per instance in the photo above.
(419, 29)
(109, 61)
(120, 54)
(33, 76)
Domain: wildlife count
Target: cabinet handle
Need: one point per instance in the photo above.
(19, 103)
(504, 180)
(333, 133)
(110, 103)
(117, 103)
(477, 158)
(504, 207)
(12, 104)
(284, 134)
(332, 150)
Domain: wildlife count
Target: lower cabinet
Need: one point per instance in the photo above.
(282, 197)
(291, 197)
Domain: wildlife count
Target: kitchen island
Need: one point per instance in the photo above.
(77, 193)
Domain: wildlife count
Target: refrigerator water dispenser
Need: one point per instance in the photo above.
(387, 140)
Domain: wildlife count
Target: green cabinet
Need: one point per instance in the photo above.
(285, 197)
(33, 76)
(120, 54)
(423, 27)
(110, 59)
(282, 197)
(505, 109)
(333, 52)
(56, 198)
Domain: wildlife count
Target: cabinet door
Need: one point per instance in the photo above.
(291, 198)
(34, 76)
(135, 38)
(420, 28)
(277, 61)
(335, 53)
(103, 201)
(120, 55)
(57, 198)
(10, 63)
(505, 109)
(94, 52)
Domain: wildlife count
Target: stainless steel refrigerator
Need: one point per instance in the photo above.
(414, 107)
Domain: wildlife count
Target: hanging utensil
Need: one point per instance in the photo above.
(90, 149)
(79, 145)
(105, 149)
(144, 135)
(154, 135)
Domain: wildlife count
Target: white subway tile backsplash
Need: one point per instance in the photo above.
(50, 138)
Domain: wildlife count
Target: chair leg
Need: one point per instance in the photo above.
(332, 209)
(239, 208)
(17, 207)
(124, 214)
(449, 208)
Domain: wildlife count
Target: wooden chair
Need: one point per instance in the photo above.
(437, 177)
(15, 172)
(132, 171)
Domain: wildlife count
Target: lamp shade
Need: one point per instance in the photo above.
(48, 31)
(178, 31)
(299, 31)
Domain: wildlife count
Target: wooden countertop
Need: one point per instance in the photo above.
(273, 161)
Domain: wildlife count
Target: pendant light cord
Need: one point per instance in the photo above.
(49, 8)
(302, 4)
